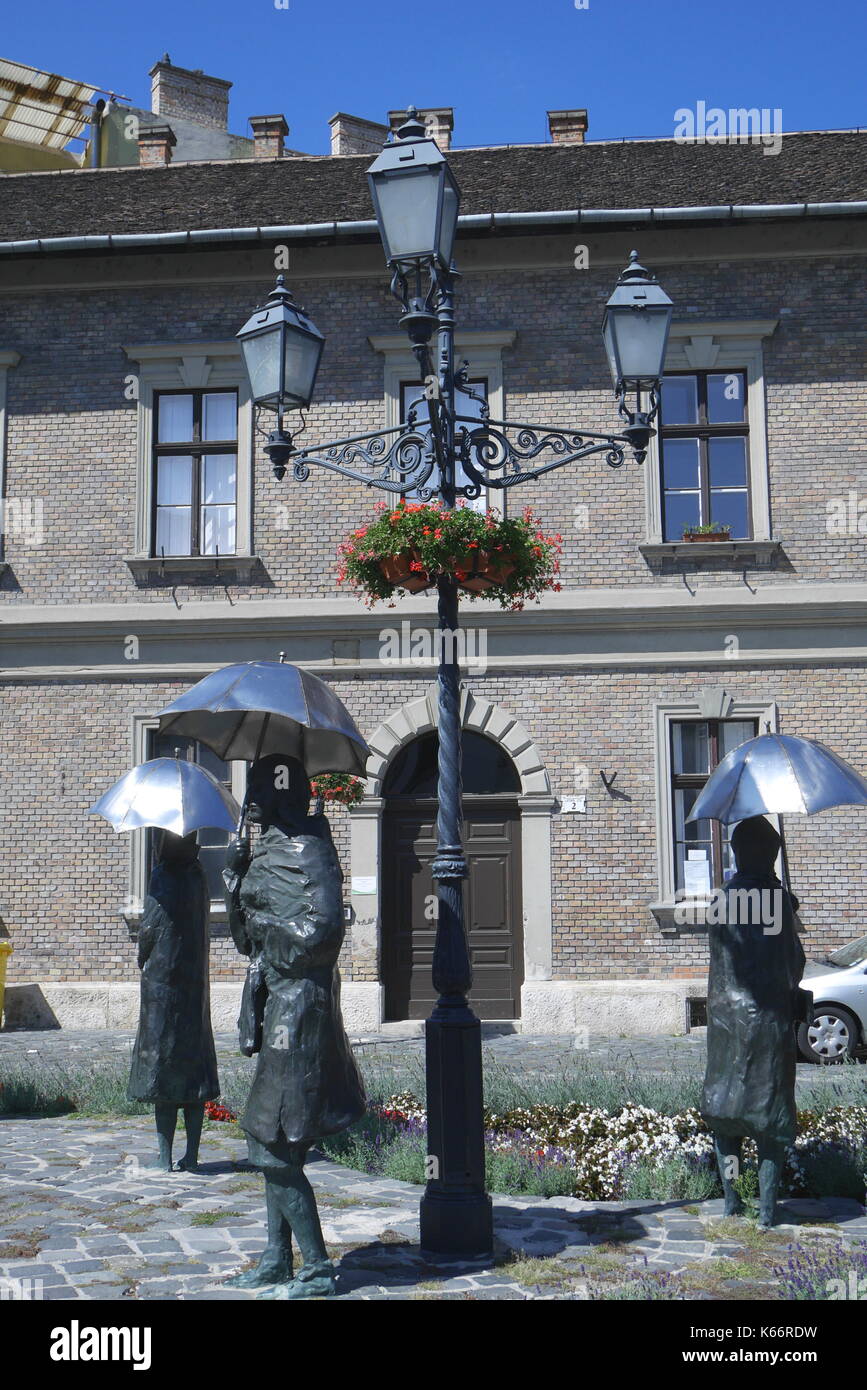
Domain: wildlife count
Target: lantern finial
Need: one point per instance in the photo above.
(413, 127)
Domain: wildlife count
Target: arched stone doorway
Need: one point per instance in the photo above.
(363, 997)
(492, 890)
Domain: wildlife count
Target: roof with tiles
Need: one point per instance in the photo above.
(818, 167)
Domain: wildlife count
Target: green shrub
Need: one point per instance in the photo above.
(670, 1179)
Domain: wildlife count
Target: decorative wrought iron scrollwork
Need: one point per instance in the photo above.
(489, 453)
(402, 465)
(462, 383)
(494, 453)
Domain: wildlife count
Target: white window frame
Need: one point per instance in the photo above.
(142, 726)
(484, 350)
(7, 360)
(720, 346)
(711, 703)
(217, 366)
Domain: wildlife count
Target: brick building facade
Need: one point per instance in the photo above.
(120, 288)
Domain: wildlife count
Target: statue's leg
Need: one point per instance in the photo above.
(194, 1116)
(298, 1201)
(167, 1118)
(275, 1262)
(728, 1148)
(771, 1159)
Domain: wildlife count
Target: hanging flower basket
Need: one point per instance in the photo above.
(407, 548)
(398, 570)
(340, 787)
(479, 571)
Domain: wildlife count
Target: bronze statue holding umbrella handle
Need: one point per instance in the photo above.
(753, 1004)
(286, 911)
(174, 1062)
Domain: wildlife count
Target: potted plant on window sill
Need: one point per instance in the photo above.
(715, 531)
(407, 548)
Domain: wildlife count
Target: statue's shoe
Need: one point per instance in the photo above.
(319, 1283)
(267, 1271)
(187, 1165)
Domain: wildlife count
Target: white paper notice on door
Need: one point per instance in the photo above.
(361, 884)
(696, 873)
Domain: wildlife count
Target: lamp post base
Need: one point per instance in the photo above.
(456, 1214)
(457, 1226)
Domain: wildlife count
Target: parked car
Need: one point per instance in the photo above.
(838, 1030)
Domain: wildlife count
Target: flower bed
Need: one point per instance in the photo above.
(406, 549)
(597, 1154)
(216, 1110)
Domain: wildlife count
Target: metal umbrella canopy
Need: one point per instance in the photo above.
(170, 793)
(778, 773)
(255, 708)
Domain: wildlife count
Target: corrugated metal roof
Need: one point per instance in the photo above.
(41, 108)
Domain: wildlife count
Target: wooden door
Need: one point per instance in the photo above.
(492, 906)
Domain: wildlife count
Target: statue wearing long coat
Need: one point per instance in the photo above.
(287, 908)
(173, 1059)
(752, 1007)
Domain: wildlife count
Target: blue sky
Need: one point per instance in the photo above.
(500, 63)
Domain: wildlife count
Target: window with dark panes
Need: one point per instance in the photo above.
(704, 453)
(212, 842)
(702, 852)
(195, 472)
(412, 393)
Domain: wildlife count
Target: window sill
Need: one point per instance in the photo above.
(172, 569)
(692, 911)
(710, 550)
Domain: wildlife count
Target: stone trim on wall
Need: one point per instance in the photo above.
(536, 802)
(7, 360)
(132, 909)
(706, 346)
(713, 702)
(170, 367)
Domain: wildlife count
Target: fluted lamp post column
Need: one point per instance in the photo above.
(417, 200)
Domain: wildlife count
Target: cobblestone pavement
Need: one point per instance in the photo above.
(528, 1053)
(84, 1214)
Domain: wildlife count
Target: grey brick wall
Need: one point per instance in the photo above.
(71, 440)
(72, 434)
(64, 874)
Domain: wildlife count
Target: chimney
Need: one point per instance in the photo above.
(353, 135)
(439, 122)
(155, 144)
(191, 96)
(567, 127)
(269, 132)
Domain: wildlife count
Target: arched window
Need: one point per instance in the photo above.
(487, 768)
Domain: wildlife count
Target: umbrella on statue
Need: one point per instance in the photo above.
(778, 774)
(170, 793)
(255, 708)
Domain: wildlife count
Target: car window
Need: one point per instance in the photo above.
(851, 954)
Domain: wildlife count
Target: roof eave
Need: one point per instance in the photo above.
(470, 222)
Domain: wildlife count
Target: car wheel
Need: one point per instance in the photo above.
(832, 1036)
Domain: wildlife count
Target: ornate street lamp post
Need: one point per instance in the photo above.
(416, 200)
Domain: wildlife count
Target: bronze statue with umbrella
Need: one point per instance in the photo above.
(286, 913)
(756, 960)
(174, 1062)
